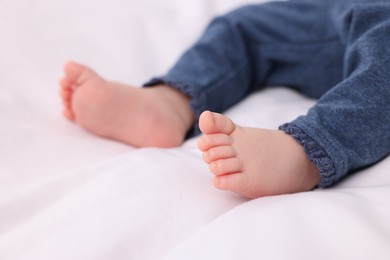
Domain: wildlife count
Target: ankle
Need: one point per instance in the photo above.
(179, 102)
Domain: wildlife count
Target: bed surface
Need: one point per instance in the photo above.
(66, 194)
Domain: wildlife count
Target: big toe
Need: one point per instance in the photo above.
(213, 123)
(77, 73)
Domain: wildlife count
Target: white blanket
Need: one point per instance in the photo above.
(66, 194)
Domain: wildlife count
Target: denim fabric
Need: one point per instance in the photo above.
(333, 50)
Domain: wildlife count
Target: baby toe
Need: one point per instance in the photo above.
(235, 182)
(219, 152)
(69, 114)
(213, 140)
(65, 83)
(213, 123)
(226, 166)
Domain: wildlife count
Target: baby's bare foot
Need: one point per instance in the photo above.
(252, 161)
(158, 116)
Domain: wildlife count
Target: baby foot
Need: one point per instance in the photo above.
(254, 162)
(159, 116)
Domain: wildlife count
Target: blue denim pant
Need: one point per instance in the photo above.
(334, 50)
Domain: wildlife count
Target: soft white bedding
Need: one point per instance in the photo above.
(66, 194)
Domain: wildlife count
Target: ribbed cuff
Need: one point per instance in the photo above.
(315, 153)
